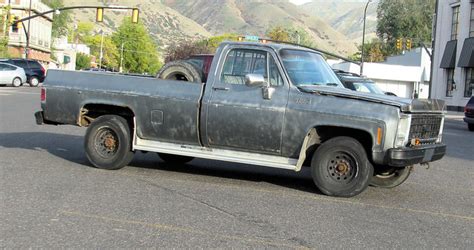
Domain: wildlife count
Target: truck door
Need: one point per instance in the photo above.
(238, 116)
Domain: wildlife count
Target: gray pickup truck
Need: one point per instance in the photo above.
(271, 105)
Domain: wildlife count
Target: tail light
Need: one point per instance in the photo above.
(43, 94)
(43, 70)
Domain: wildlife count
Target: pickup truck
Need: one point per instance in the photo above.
(272, 105)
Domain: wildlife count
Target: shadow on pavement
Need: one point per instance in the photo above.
(70, 148)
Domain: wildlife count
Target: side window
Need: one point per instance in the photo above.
(20, 63)
(34, 64)
(240, 62)
(275, 76)
(3, 67)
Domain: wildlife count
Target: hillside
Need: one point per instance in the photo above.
(173, 20)
(345, 16)
(256, 17)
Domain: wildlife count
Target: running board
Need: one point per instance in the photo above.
(215, 154)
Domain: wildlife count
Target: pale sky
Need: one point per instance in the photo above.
(298, 2)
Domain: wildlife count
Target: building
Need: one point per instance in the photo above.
(40, 30)
(453, 62)
(406, 75)
(65, 53)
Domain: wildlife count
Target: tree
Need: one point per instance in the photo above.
(184, 50)
(140, 54)
(60, 22)
(404, 19)
(81, 32)
(110, 52)
(4, 24)
(213, 42)
(373, 51)
(290, 34)
(83, 61)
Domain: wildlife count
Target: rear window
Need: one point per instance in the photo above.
(34, 64)
(471, 101)
(20, 63)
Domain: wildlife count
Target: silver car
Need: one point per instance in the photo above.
(11, 74)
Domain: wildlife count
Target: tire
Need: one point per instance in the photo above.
(389, 177)
(177, 159)
(16, 82)
(181, 71)
(114, 131)
(470, 127)
(34, 81)
(340, 167)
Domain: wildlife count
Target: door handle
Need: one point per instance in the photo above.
(220, 88)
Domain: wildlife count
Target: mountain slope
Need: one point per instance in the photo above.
(256, 17)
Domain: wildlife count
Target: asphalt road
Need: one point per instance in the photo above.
(51, 197)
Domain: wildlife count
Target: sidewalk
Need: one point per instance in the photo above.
(455, 115)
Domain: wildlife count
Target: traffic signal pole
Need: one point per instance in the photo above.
(135, 13)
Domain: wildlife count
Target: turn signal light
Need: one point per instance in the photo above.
(43, 94)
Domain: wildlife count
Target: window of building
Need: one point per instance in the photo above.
(469, 82)
(450, 84)
(455, 23)
(471, 31)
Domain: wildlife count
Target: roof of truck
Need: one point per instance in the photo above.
(274, 46)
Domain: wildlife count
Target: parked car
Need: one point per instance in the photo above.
(35, 73)
(357, 83)
(11, 74)
(469, 114)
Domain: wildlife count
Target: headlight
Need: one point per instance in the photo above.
(403, 131)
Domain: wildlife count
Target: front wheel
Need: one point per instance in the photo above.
(108, 142)
(340, 167)
(390, 177)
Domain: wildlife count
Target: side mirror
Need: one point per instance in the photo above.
(255, 80)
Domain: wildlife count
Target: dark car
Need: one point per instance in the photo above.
(357, 83)
(469, 114)
(35, 73)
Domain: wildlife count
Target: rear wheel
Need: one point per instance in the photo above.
(470, 127)
(390, 177)
(34, 82)
(16, 82)
(181, 71)
(108, 142)
(340, 167)
(177, 159)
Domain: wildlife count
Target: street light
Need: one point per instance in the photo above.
(363, 39)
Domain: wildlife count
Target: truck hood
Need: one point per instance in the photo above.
(405, 105)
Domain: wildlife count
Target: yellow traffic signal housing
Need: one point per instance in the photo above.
(408, 44)
(399, 44)
(17, 25)
(135, 15)
(99, 17)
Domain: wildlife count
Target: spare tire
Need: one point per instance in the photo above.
(181, 71)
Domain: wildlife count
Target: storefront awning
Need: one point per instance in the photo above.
(449, 56)
(466, 60)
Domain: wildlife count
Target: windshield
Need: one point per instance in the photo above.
(368, 87)
(308, 68)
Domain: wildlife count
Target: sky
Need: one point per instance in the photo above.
(298, 2)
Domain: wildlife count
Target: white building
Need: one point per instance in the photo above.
(405, 75)
(453, 63)
(65, 53)
(40, 30)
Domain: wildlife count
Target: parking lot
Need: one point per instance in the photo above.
(50, 196)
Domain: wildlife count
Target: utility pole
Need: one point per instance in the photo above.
(27, 47)
(101, 50)
(363, 40)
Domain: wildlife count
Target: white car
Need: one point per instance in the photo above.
(11, 74)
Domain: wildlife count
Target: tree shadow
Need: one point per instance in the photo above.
(70, 148)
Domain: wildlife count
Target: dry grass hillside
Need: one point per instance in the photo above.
(173, 20)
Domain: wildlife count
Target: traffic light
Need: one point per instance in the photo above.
(399, 44)
(16, 25)
(408, 44)
(99, 17)
(135, 15)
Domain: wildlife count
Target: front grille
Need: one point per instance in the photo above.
(425, 128)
